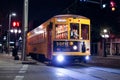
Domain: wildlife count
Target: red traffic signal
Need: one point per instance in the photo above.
(112, 5)
(16, 24)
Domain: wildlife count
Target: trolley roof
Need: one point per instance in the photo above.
(70, 15)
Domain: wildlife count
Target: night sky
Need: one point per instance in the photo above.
(38, 9)
(41, 10)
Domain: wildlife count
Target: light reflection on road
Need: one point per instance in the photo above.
(92, 72)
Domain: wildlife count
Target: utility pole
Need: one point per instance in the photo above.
(25, 29)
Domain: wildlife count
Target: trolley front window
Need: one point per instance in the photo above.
(61, 31)
(85, 31)
(74, 31)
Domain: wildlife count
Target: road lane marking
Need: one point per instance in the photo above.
(19, 78)
(23, 69)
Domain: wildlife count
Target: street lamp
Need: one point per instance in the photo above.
(10, 15)
(105, 35)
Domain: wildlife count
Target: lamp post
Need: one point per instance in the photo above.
(105, 35)
(8, 44)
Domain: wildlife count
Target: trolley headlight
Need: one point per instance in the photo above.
(75, 47)
(87, 57)
(60, 58)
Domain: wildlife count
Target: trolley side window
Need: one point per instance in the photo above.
(85, 31)
(61, 31)
(74, 31)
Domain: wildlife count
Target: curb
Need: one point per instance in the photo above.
(105, 61)
(28, 62)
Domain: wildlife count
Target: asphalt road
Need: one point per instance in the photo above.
(14, 70)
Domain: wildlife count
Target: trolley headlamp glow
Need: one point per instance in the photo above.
(87, 57)
(75, 47)
(60, 58)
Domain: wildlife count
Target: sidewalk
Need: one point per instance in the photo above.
(109, 61)
(10, 58)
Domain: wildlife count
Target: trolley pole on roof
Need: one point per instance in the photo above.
(25, 29)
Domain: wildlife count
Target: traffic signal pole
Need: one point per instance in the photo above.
(95, 2)
(25, 29)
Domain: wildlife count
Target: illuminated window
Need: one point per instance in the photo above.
(74, 31)
(85, 31)
(61, 31)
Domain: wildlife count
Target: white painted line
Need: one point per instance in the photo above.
(23, 69)
(19, 78)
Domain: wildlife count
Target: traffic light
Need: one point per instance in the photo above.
(112, 5)
(16, 24)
